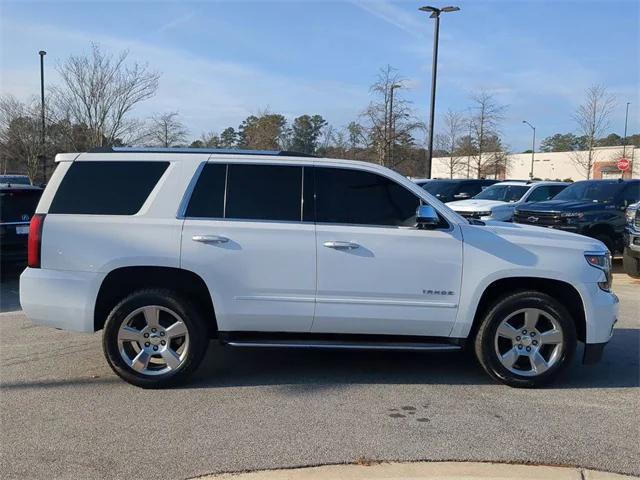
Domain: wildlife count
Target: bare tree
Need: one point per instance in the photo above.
(99, 90)
(20, 135)
(592, 118)
(165, 130)
(449, 141)
(390, 118)
(484, 122)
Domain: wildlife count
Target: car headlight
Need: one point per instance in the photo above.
(572, 214)
(601, 261)
(631, 215)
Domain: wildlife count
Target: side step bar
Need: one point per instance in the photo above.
(343, 345)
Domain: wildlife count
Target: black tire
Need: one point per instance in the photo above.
(607, 240)
(188, 313)
(484, 341)
(631, 264)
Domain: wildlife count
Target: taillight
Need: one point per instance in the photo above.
(35, 240)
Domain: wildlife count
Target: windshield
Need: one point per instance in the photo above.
(503, 193)
(594, 191)
(438, 187)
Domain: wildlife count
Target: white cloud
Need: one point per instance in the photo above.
(410, 22)
(208, 93)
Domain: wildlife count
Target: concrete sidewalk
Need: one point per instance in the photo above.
(423, 470)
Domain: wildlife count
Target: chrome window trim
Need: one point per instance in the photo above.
(194, 180)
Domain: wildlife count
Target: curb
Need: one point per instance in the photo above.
(424, 470)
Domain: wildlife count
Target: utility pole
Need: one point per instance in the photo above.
(43, 157)
(624, 139)
(435, 13)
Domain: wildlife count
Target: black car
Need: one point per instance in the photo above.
(456, 189)
(17, 206)
(595, 208)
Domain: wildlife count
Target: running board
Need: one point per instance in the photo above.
(343, 345)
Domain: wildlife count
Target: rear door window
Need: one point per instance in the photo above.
(106, 187)
(264, 192)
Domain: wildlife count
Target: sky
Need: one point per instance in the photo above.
(224, 60)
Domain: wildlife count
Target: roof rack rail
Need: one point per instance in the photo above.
(223, 151)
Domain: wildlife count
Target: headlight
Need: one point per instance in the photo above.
(631, 215)
(572, 214)
(601, 261)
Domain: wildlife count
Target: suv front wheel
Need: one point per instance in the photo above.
(154, 338)
(526, 339)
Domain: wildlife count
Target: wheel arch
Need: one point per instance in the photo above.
(562, 291)
(120, 282)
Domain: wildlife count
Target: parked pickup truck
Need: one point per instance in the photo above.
(499, 201)
(167, 249)
(631, 254)
(595, 208)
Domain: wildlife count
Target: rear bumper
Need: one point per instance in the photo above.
(60, 299)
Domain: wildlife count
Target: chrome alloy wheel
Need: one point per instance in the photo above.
(153, 340)
(529, 342)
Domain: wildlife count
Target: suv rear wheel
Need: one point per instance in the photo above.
(526, 339)
(154, 338)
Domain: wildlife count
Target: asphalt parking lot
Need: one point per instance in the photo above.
(65, 415)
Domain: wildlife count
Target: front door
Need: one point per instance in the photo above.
(244, 234)
(377, 273)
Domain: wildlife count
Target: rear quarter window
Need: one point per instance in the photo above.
(106, 188)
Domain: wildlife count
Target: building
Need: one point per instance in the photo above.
(554, 165)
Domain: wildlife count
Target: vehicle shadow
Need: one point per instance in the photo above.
(300, 370)
(9, 284)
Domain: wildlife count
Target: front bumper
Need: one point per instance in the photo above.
(632, 243)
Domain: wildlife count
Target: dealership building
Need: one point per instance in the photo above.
(555, 165)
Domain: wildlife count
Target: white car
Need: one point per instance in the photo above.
(499, 201)
(165, 250)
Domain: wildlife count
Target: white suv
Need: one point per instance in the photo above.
(166, 249)
(499, 201)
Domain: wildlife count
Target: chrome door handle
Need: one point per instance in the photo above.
(341, 245)
(210, 239)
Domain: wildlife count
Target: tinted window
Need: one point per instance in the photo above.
(470, 189)
(440, 188)
(632, 193)
(106, 188)
(362, 198)
(264, 192)
(592, 191)
(207, 199)
(541, 194)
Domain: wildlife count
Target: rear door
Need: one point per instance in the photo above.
(377, 273)
(245, 233)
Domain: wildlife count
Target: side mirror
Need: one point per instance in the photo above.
(462, 196)
(426, 216)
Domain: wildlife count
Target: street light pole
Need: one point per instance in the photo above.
(43, 157)
(435, 13)
(624, 140)
(533, 148)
